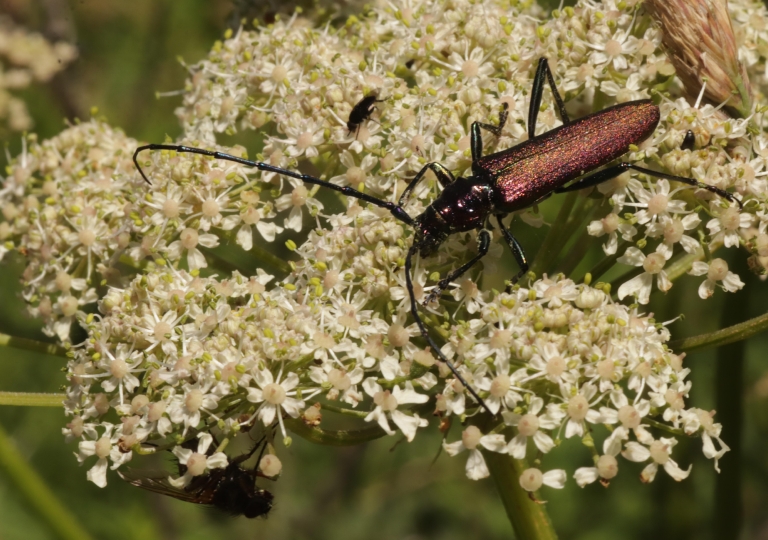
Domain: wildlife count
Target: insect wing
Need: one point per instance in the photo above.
(157, 482)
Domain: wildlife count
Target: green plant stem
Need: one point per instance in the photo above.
(329, 437)
(28, 399)
(577, 252)
(343, 410)
(548, 252)
(725, 336)
(529, 518)
(32, 345)
(608, 262)
(36, 493)
(728, 511)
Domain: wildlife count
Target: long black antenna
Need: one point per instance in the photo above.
(396, 210)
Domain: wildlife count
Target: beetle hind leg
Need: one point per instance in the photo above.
(615, 170)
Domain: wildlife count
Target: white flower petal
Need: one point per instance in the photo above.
(543, 442)
(408, 424)
(649, 472)
(585, 475)
(706, 289)
(636, 452)
(476, 467)
(494, 443)
(217, 461)
(555, 478)
(98, 473)
(454, 448)
(244, 237)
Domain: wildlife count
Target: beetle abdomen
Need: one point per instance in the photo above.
(533, 169)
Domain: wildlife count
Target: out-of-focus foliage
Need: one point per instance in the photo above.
(127, 51)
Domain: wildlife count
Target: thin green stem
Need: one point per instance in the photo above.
(725, 336)
(529, 518)
(32, 345)
(608, 262)
(28, 399)
(36, 493)
(729, 400)
(576, 253)
(329, 437)
(344, 411)
(682, 264)
(548, 252)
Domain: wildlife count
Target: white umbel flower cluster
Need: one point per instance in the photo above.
(26, 58)
(182, 345)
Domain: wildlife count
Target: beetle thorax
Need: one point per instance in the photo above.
(464, 205)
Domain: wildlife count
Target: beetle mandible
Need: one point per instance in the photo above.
(502, 182)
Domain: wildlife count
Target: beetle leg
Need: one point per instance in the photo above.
(483, 244)
(396, 210)
(425, 333)
(444, 176)
(615, 170)
(476, 138)
(543, 72)
(517, 250)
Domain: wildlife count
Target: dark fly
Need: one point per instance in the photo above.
(231, 489)
(362, 111)
(503, 182)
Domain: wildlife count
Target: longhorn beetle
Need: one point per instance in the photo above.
(503, 182)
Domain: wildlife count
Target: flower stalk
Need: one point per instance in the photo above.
(37, 494)
(526, 512)
(26, 344)
(31, 399)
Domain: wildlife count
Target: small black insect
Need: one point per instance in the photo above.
(501, 183)
(362, 111)
(231, 489)
(688, 141)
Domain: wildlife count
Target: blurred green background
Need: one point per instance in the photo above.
(127, 52)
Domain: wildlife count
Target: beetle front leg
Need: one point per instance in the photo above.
(425, 333)
(516, 248)
(476, 138)
(543, 72)
(483, 244)
(444, 176)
